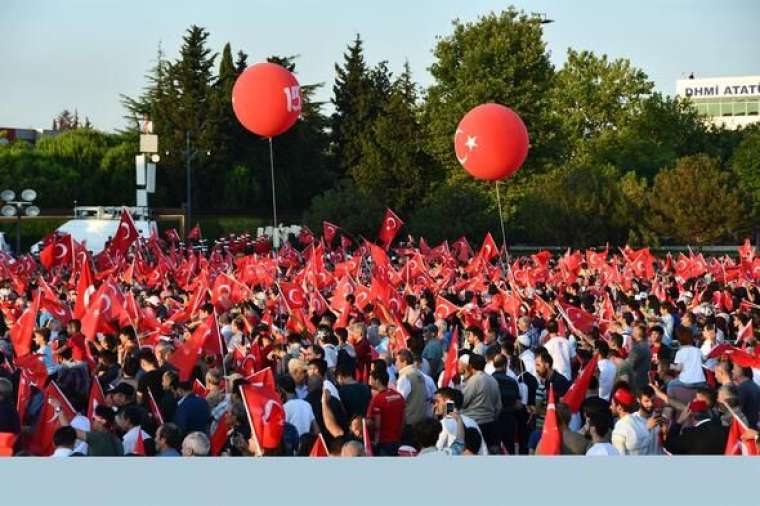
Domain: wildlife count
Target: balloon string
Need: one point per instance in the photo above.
(501, 222)
(275, 234)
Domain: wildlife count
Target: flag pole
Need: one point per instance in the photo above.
(275, 232)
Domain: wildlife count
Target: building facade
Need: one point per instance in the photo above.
(733, 102)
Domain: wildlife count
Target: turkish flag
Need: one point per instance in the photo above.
(57, 252)
(263, 378)
(293, 295)
(540, 306)
(577, 391)
(578, 318)
(551, 438)
(97, 398)
(186, 355)
(328, 232)
(746, 251)
(444, 308)
(57, 309)
(41, 442)
(126, 234)
(94, 319)
(511, 304)
(22, 329)
(389, 228)
(320, 448)
(735, 445)
(489, 249)
(362, 296)
(85, 288)
(265, 414)
(745, 333)
(450, 368)
(596, 260)
(219, 437)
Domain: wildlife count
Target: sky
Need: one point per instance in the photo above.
(82, 54)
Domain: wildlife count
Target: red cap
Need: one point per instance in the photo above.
(697, 406)
(624, 396)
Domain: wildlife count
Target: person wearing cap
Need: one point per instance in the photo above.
(630, 435)
(525, 354)
(702, 435)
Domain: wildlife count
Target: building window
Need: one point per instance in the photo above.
(713, 109)
(753, 108)
(740, 108)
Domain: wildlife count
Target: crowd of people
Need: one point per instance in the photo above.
(319, 349)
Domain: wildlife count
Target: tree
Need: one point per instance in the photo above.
(345, 205)
(65, 120)
(745, 163)
(698, 203)
(653, 137)
(499, 58)
(393, 166)
(359, 93)
(580, 204)
(594, 94)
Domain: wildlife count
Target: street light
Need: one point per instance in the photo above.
(15, 207)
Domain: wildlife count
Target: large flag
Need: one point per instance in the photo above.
(263, 378)
(578, 318)
(265, 414)
(577, 391)
(126, 234)
(21, 332)
(41, 442)
(389, 228)
(186, 355)
(293, 295)
(551, 438)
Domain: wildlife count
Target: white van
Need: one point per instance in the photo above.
(95, 225)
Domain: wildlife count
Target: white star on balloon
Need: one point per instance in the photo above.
(471, 143)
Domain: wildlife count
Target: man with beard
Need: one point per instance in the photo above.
(653, 420)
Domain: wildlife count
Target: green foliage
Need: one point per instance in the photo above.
(345, 205)
(697, 202)
(394, 168)
(595, 94)
(745, 163)
(32, 230)
(580, 204)
(458, 206)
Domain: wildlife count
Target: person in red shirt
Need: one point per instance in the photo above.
(75, 342)
(385, 414)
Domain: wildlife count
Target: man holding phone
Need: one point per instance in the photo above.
(446, 402)
(652, 415)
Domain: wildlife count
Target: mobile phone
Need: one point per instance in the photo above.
(449, 407)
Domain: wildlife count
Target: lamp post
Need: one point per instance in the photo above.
(15, 207)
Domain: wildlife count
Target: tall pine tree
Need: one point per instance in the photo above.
(393, 166)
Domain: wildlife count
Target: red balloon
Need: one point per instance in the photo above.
(491, 142)
(266, 99)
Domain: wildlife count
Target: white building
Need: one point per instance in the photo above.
(729, 101)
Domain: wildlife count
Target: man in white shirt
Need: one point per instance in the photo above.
(129, 421)
(646, 412)
(561, 350)
(630, 435)
(298, 412)
(607, 370)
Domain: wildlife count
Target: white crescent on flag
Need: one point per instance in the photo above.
(64, 250)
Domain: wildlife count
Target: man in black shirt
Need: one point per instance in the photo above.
(510, 403)
(355, 396)
(749, 393)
